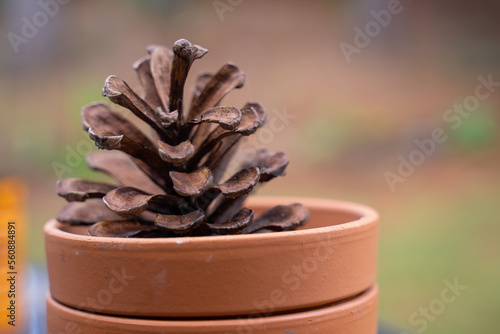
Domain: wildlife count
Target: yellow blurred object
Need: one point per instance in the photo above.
(13, 194)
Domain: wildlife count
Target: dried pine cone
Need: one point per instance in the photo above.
(175, 181)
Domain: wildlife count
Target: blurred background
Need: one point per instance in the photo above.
(351, 88)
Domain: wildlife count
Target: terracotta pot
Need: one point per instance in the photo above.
(332, 259)
(358, 315)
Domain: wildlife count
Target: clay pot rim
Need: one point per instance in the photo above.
(342, 308)
(367, 216)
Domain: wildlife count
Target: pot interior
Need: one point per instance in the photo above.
(321, 216)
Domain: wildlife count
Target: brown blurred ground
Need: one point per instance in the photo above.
(351, 120)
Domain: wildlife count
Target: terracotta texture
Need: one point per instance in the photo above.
(332, 258)
(355, 316)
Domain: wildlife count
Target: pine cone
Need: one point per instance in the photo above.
(175, 181)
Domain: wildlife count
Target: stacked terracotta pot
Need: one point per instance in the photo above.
(320, 279)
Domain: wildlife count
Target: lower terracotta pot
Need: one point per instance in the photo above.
(332, 259)
(358, 315)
